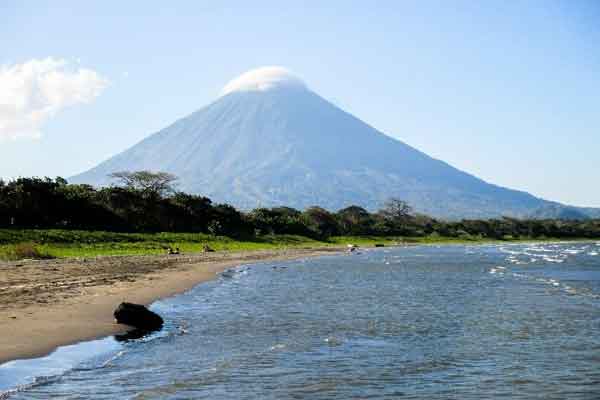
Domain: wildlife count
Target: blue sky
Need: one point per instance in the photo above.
(508, 91)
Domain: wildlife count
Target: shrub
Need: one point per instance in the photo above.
(28, 250)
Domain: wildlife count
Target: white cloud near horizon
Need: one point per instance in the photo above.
(34, 91)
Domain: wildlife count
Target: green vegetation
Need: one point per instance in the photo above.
(27, 250)
(66, 243)
(16, 244)
(41, 218)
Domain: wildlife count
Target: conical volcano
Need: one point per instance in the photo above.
(268, 140)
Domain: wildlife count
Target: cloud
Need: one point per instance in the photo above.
(34, 91)
(263, 78)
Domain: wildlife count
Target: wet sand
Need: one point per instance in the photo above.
(51, 303)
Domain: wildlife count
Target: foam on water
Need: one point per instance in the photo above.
(498, 270)
(279, 346)
(21, 375)
(551, 254)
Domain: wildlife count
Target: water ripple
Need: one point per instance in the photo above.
(468, 322)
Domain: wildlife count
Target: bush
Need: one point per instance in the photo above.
(28, 250)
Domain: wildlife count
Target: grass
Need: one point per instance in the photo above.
(26, 250)
(67, 243)
(56, 243)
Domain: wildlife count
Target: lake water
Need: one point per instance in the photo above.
(447, 322)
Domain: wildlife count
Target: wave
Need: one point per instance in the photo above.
(235, 272)
(557, 259)
(555, 253)
(279, 346)
(554, 283)
(498, 270)
(37, 382)
(573, 251)
(108, 363)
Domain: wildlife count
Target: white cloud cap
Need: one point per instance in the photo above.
(264, 78)
(33, 92)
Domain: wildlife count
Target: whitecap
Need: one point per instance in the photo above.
(108, 362)
(552, 259)
(505, 250)
(333, 341)
(570, 290)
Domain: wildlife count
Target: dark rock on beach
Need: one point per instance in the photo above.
(138, 316)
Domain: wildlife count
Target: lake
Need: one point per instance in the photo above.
(450, 322)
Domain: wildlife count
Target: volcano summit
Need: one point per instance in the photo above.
(268, 140)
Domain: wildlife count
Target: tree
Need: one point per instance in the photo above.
(141, 206)
(193, 212)
(277, 220)
(226, 220)
(395, 218)
(154, 184)
(355, 220)
(396, 210)
(321, 222)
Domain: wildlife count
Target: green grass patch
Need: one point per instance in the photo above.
(50, 243)
(22, 251)
(65, 243)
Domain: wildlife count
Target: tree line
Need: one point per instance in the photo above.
(144, 201)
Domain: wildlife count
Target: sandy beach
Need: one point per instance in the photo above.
(46, 304)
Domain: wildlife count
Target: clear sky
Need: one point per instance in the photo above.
(508, 91)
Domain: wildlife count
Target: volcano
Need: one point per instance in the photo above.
(268, 140)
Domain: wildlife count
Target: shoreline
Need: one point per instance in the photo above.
(52, 303)
(46, 304)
